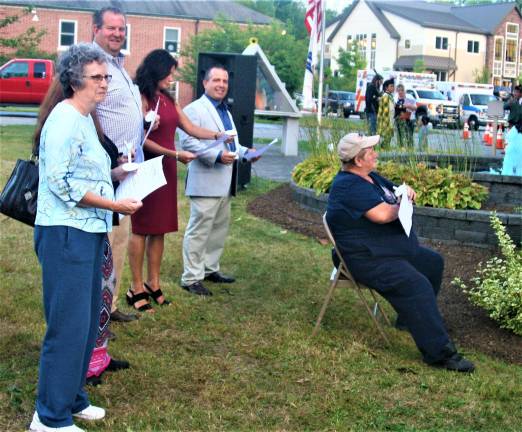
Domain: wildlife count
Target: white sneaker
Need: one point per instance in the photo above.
(90, 413)
(38, 426)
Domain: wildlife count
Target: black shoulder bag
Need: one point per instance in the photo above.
(18, 199)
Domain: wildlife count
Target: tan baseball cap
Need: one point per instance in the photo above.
(350, 145)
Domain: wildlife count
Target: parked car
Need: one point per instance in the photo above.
(25, 81)
(341, 102)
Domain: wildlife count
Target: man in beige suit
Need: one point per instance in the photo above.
(211, 181)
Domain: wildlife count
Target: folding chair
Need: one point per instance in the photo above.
(343, 275)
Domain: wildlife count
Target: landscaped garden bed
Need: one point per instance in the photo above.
(469, 227)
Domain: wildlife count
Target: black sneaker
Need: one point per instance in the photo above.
(456, 363)
(197, 288)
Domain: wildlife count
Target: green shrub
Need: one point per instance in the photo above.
(435, 187)
(498, 286)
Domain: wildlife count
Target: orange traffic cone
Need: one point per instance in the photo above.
(487, 135)
(500, 139)
(465, 132)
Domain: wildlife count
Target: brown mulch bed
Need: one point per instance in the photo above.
(467, 324)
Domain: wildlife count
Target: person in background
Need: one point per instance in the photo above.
(75, 210)
(362, 213)
(404, 117)
(159, 214)
(121, 118)
(211, 181)
(373, 93)
(514, 107)
(512, 163)
(423, 133)
(386, 113)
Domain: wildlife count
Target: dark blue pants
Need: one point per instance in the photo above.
(411, 287)
(372, 123)
(71, 277)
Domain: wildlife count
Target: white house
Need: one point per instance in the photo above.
(453, 42)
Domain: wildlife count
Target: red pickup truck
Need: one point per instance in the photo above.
(25, 81)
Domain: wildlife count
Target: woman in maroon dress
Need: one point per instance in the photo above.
(159, 214)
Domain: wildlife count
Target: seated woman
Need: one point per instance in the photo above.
(362, 214)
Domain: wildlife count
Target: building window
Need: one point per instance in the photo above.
(407, 43)
(348, 42)
(67, 34)
(473, 46)
(441, 43)
(361, 43)
(373, 48)
(511, 50)
(499, 42)
(171, 40)
(126, 46)
(441, 75)
(512, 30)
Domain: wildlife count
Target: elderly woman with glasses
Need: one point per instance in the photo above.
(363, 213)
(75, 206)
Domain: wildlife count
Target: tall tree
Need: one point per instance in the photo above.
(285, 52)
(26, 44)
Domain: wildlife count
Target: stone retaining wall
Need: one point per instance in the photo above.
(469, 227)
(503, 190)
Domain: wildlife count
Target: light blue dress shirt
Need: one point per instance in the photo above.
(72, 162)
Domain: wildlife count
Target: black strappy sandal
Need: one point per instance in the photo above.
(155, 295)
(133, 298)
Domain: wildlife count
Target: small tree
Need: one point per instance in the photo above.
(419, 66)
(349, 61)
(287, 54)
(25, 44)
(482, 76)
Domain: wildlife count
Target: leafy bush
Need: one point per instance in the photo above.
(498, 286)
(435, 187)
(316, 173)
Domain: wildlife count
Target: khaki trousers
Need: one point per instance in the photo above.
(205, 236)
(119, 240)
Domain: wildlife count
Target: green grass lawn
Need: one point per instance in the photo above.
(245, 361)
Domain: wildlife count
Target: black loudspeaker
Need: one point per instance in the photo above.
(240, 98)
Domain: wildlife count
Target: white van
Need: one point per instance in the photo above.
(473, 100)
(419, 86)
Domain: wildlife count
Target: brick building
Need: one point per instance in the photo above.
(165, 24)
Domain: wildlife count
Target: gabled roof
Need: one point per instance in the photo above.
(482, 19)
(342, 19)
(421, 13)
(201, 9)
(487, 17)
(394, 34)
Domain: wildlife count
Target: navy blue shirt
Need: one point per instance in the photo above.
(356, 236)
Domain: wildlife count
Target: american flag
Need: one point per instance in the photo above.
(313, 21)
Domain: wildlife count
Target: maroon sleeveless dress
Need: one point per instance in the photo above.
(159, 214)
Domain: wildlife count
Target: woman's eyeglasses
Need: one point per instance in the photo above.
(99, 78)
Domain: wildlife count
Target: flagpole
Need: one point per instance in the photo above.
(321, 64)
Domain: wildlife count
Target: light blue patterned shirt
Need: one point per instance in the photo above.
(120, 113)
(72, 162)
